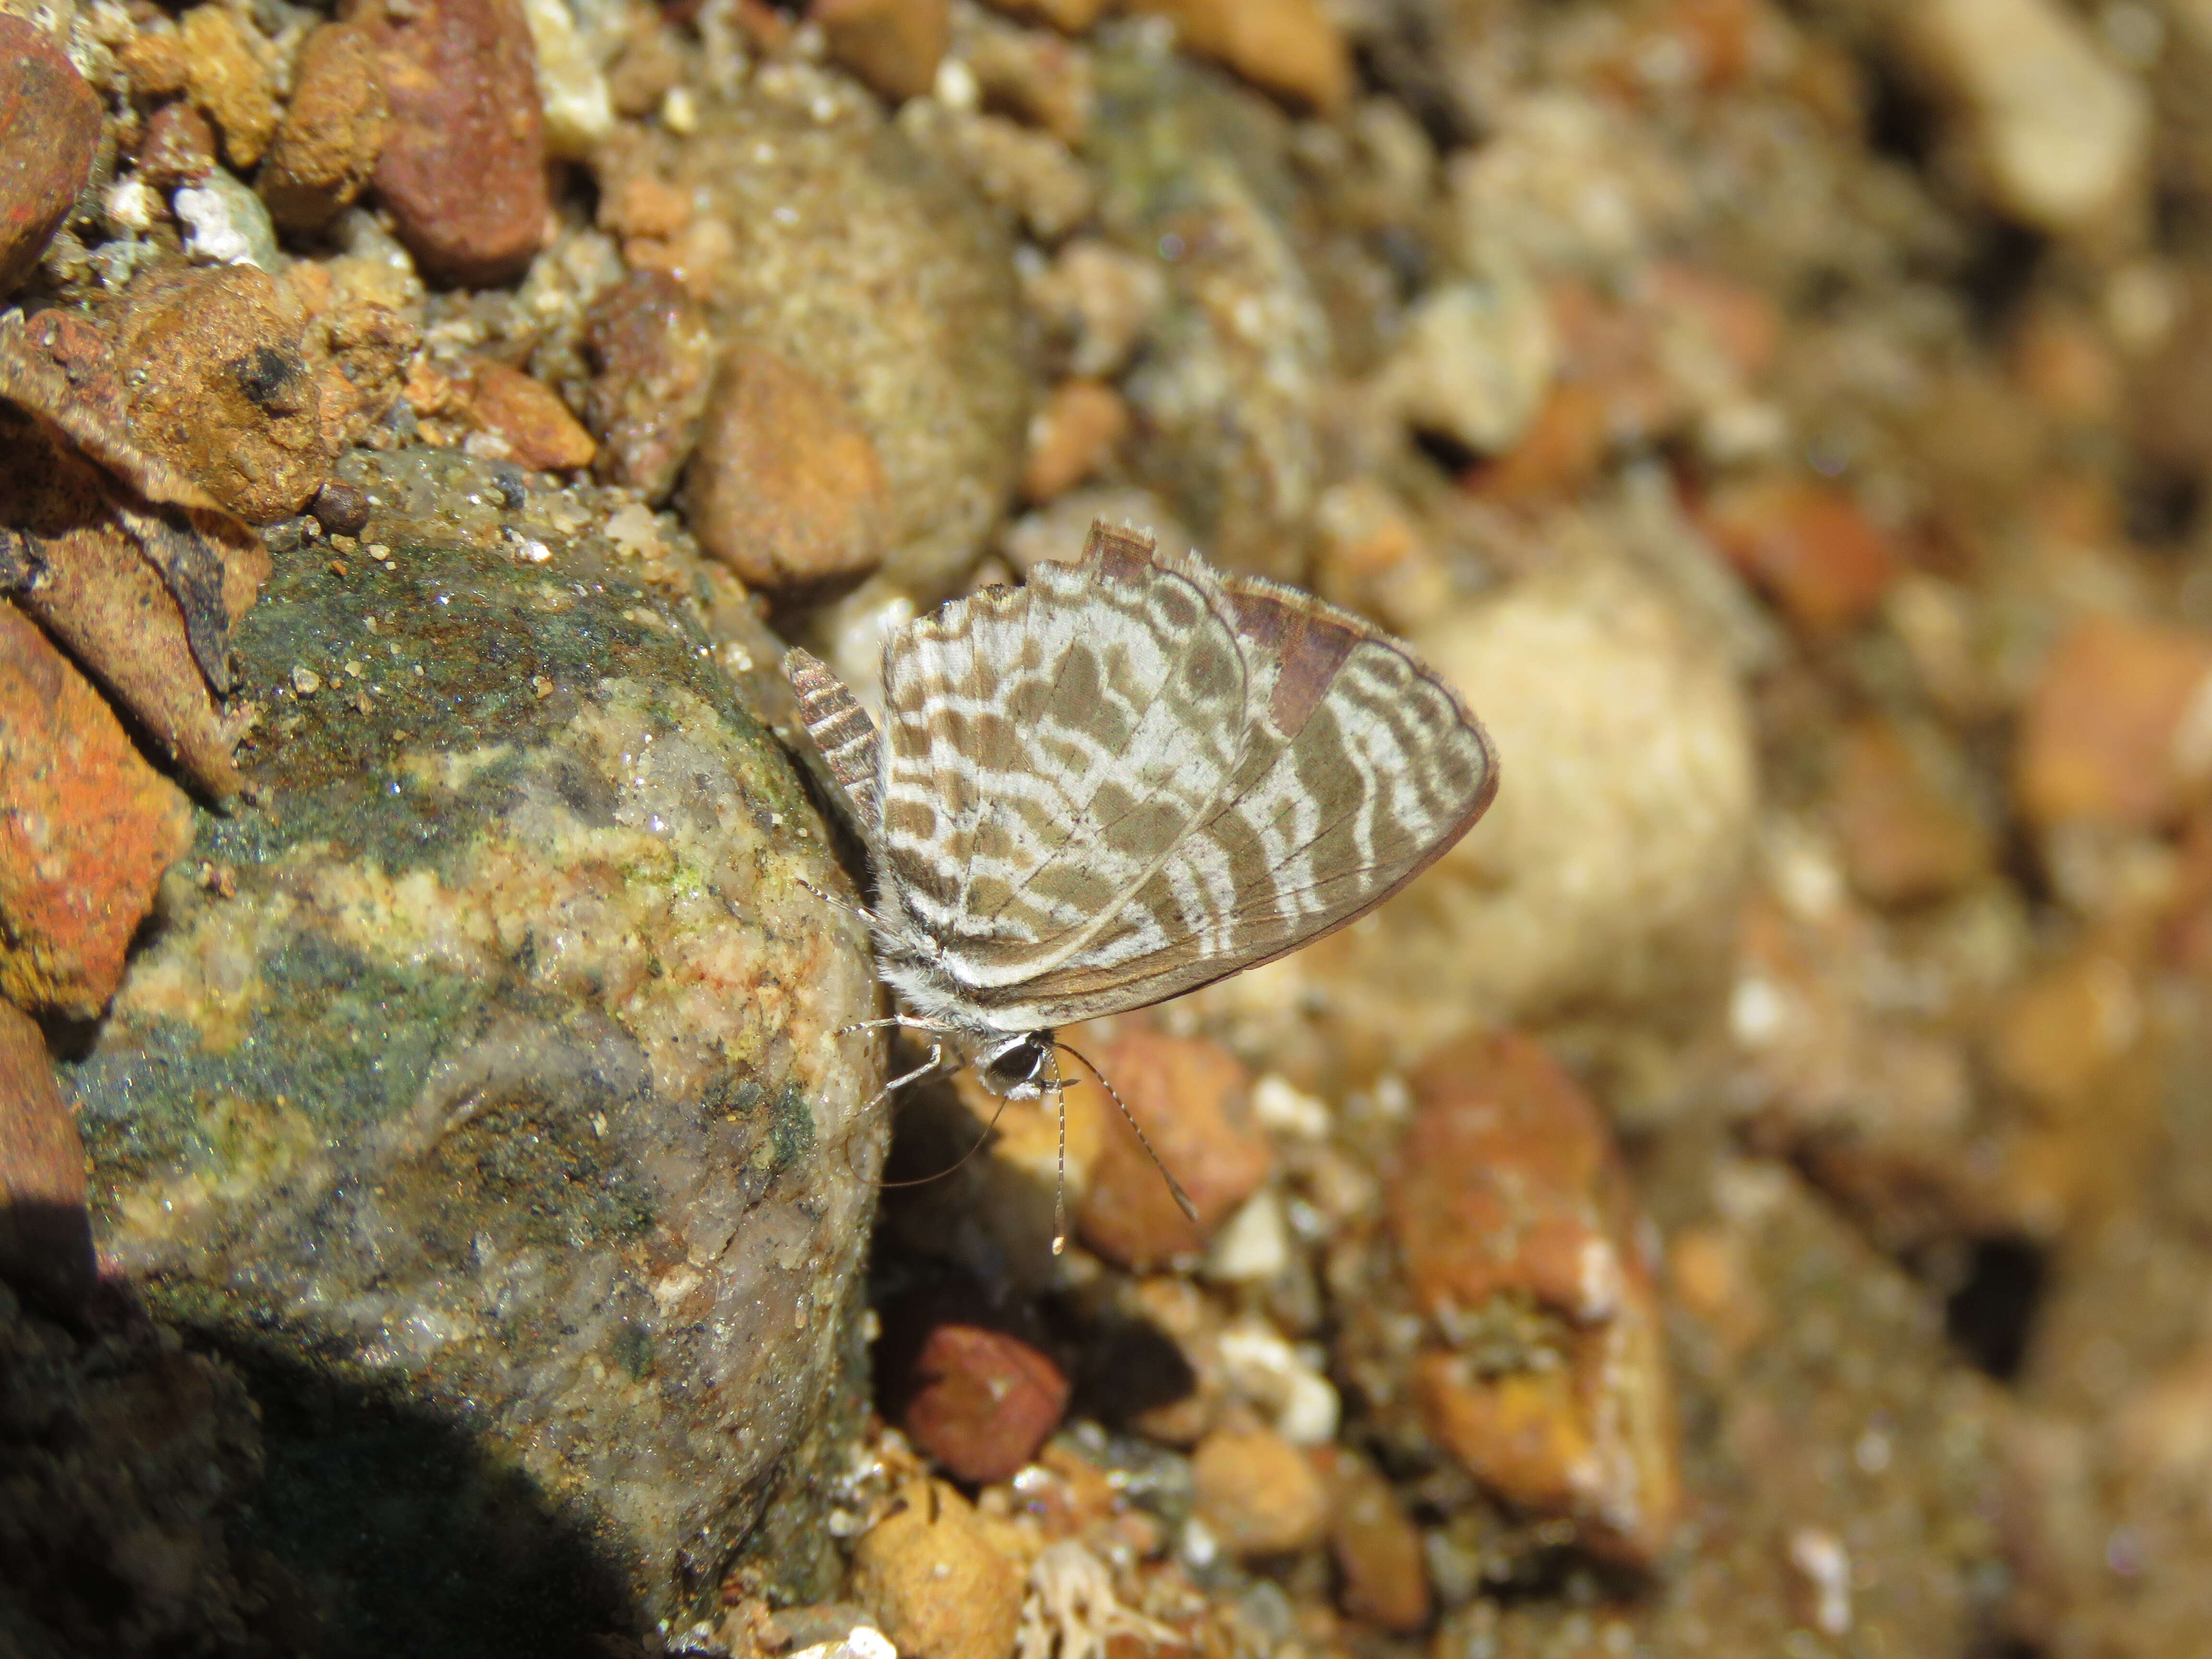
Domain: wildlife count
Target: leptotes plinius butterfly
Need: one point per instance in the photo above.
(1130, 777)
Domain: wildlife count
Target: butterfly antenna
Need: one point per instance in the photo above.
(923, 1181)
(1060, 1175)
(1174, 1187)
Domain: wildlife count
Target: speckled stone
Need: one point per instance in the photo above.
(872, 267)
(487, 1077)
(1195, 180)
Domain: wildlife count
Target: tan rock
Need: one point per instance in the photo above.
(1384, 1579)
(930, 1573)
(1257, 1493)
(786, 487)
(2118, 730)
(1068, 16)
(1191, 1097)
(2059, 132)
(219, 386)
(226, 77)
(529, 416)
(1907, 831)
(326, 147)
(1072, 436)
(1290, 48)
(894, 45)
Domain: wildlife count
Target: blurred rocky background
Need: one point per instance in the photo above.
(1753, 1197)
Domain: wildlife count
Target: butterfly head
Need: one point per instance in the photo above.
(1018, 1067)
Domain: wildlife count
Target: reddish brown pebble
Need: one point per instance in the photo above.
(1809, 546)
(529, 416)
(1522, 1434)
(46, 1234)
(87, 827)
(645, 205)
(1503, 1186)
(1560, 452)
(1258, 1494)
(1384, 1579)
(2114, 725)
(1072, 436)
(227, 80)
(342, 509)
(934, 1580)
(1908, 834)
(1508, 1187)
(177, 147)
(326, 148)
(463, 167)
(1191, 1098)
(49, 127)
(894, 45)
(1292, 48)
(649, 341)
(980, 1402)
(786, 488)
(220, 389)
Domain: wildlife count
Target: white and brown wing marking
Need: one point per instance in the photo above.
(1133, 776)
(843, 734)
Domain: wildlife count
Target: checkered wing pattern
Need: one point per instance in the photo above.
(1133, 776)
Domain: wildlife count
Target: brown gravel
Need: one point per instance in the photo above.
(1191, 1098)
(894, 45)
(650, 344)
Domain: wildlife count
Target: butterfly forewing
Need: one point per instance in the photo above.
(1081, 727)
(1360, 769)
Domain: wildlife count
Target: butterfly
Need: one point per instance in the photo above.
(1128, 778)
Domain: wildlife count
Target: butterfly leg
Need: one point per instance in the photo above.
(935, 1060)
(857, 912)
(903, 1022)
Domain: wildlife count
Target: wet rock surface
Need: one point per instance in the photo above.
(489, 1081)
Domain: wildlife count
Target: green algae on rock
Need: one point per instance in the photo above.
(489, 1065)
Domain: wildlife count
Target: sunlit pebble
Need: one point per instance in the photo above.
(1827, 1565)
(679, 111)
(306, 681)
(1281, 1106)
(1873, 1452)
(533, 552)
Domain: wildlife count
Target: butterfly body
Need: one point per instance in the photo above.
(1126, 779)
